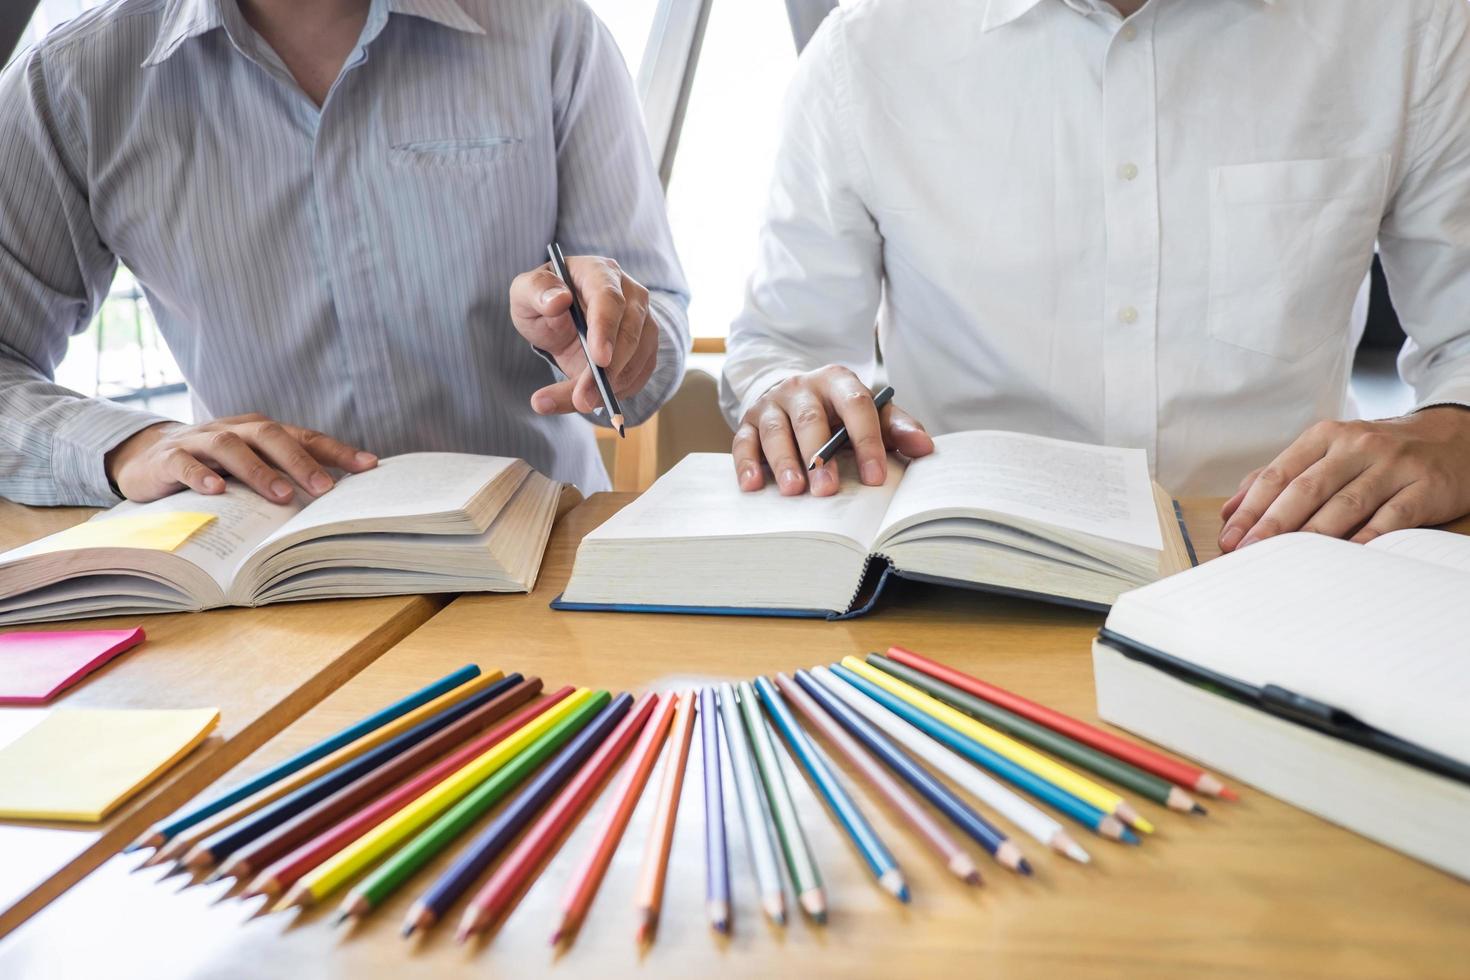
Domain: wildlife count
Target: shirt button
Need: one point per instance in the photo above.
(1127, 171)
(1128, 315)
(1128, 33)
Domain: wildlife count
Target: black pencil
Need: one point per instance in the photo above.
(839, 438)
(579, 320)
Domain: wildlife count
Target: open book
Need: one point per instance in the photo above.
(1213, 664)
(424, 522)
(993, 510)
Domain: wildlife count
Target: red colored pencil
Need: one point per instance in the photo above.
(493, 900)
(285, 872)
(589, 876)
(1146, 759)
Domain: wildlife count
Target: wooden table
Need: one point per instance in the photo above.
(1254, 887)
(262, 668)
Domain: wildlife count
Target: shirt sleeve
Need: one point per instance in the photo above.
(610, 201)
(54, 272)
(813, 297)
(1424, 241)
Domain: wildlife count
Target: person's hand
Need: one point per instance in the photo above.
(1358, 480)
(620, 331)
(167, 457)
(792, 421)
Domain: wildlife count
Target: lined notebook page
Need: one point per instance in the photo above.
(699, 498)
(1098, 490)
(1439, 547)
(1374, 633)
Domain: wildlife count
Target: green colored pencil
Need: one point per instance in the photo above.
(387, 877)
(799, 862)
(1143, 783)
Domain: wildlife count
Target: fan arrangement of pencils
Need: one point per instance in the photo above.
(364, 811)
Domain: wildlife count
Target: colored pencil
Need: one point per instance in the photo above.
(452, 821)
(1058, 775)
(1018, 775)
(864, 719)
(650, 895)
(165, 832)
(844, 808)
(799, 861)
(1128, 776)
(579, 322)
(309, 823)
(1160, 765)
(588, 877)
(494, 839)
(716, 854)
(840, 438)
(288, 870)
(221, 845)
(760, 833)
(938, 839)
(493, 900)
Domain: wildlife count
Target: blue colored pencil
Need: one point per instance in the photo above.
(494, 839)
(879, 860)
(1043, 789)
(716, 855)
(958, 812)
(161, 835)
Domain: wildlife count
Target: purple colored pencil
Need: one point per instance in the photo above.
(716, 858)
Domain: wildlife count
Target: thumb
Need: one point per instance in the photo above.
(539, 293)
(903, 433)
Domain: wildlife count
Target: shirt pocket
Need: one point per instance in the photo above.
(1290, 243)
(453, 154)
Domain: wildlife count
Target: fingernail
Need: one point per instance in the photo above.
(872, 472)
(822, 480)
(366, 459)
(213, 483)
(551, 294)
(542, 404)
(747, 476)
(604, 353)
(320, 483)
(280, 488)
(790, 478)
(1230, 538)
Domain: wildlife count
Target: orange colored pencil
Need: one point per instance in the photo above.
(589, 876)
(661, 834)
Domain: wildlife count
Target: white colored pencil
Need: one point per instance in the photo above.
(759, 834)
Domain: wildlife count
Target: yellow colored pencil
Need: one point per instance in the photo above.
(1023, 755)
(184, 842)
(346, 863)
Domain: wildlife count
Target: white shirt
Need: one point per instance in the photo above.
(1144, 233)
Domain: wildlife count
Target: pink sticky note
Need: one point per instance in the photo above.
(35, 667)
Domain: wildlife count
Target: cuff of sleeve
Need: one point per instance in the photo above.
(80, 444)
(1455, 391)
(668, 371)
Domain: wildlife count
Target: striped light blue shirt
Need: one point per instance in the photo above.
(343, 268)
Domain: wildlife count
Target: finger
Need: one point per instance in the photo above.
(554, 399)
(853, 403)
(1268, 485)
(585, 394)
(225, 450)
(1305, 495)
(778, 442)
(1351, 507)
(599, 283)
(1229, 506)
(332, 452)
(276, 445)
(1404, 509)
(180, 467)
(746, 450)
(808, 415)
(904, 433)
(630, 327)
(640, 368)
(539, 293)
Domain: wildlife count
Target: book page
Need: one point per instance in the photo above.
(699, 498)
(1369, 632)
(1097, 490)
(1437, 547)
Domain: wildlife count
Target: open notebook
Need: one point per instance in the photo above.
(1377, 632)
(423, 522)
(998, 511)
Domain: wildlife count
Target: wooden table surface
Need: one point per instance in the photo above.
(262, 668)
(1254, 887)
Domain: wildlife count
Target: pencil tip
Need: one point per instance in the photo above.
(1200, 810)
(1024, 867)
(407, 930)
(1128, 837)
(973, 878)
(812, 463)
(1226, 793)
(341, 917)
(1077, 853)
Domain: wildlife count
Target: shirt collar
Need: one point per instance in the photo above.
(183, 19)
(999, 13)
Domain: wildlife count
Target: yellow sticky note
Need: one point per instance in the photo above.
(163, 531)
(82, 764)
